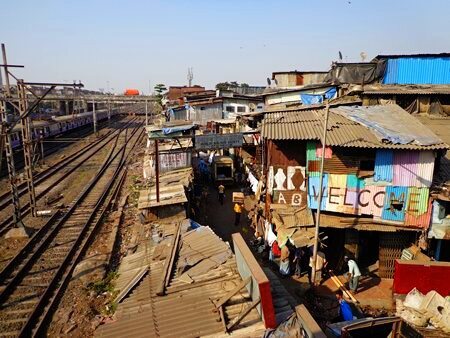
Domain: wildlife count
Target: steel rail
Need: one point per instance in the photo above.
(46, 316)
(68, 262)
(6, 224)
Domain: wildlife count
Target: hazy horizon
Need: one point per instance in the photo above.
(119, 45)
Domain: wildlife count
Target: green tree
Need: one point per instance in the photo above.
(159, 90)
(222, 85)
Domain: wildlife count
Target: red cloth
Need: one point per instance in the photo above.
(276, 249)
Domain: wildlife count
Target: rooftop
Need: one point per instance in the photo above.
(379, 89)
(396, 56)
(204, 272)
(344, 131)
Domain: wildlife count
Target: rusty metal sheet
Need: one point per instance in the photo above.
(308, 125)
(187, 309)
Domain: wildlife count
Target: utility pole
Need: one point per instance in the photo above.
(322, 160)
(6, 138)
(157, 169)
(190, 76)
(27, 139)
(146, 112)
(20, 103)
(94, 117)
(109, 110)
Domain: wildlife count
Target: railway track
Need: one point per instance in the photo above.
(48, 179)
(34, 280)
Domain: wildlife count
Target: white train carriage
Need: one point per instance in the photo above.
(58, 125)
(38, 128)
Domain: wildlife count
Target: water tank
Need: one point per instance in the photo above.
(131, 92)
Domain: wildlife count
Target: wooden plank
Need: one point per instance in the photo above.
(231, 293)
(241, 316)
(342, 287)
(222, 318)
(136, 279)
(168, 263)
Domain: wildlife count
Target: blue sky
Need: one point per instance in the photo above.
(129, 43)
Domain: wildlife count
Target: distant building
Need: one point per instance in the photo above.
(297, 78)
(420, 69)
(279, 98)
(177, 92)
(206, 106)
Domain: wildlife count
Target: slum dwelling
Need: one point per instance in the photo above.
(378, 169)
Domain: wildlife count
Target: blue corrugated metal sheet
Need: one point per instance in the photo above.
(399, 194)
(384, 170)
(418, 70)
(313, 192)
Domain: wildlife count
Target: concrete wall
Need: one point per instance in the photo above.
(259, 287)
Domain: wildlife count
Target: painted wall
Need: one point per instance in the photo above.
(397, 190)
(423, 276)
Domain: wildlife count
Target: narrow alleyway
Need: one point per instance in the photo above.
(221, 217)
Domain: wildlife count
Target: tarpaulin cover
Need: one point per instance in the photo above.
(355, 73)
(290, 328)
(308, 99)
(170, 130)
(390, 122)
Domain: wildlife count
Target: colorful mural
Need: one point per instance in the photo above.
(287, 184)
(396, 190)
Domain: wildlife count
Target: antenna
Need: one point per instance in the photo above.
(363, 56)
(340, 56)
(190, 76)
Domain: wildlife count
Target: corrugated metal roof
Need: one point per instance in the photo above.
(308, 125)
(186, 310)
(358, 223)
(378, 89)
(422, 55)
(418, 70)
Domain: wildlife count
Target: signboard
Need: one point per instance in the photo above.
(170, 161)
(286, 178)
(218, 141)
(291, 197)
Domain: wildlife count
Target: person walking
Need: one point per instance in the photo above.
(221, 193)
(353, 274)
(237, 213)
(298, 262)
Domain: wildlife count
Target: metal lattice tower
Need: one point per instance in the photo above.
(6, 140)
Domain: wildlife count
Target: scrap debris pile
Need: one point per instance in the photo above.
(430, 310)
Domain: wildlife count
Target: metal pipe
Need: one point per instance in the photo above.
(322, 160)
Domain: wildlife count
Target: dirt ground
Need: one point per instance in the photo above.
(375, 299)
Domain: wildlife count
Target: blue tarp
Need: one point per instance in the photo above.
(308, 99)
